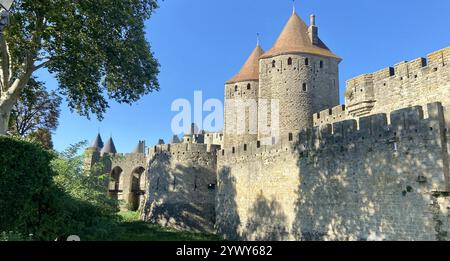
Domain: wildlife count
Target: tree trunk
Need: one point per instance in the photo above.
(5, 112)
(8, 100)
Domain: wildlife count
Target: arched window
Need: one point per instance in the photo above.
(273, 64)
(235, 88)
(305, 87)
(306, 61)
(249, 86)
(289, 61)
(321, 64)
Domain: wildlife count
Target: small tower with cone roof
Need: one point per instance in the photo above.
(92, 154)
(109, 148)
(241, 101)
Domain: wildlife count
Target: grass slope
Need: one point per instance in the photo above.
(132, 229)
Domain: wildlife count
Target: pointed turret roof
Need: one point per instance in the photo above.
(250, 70)
(97, 143)
(295, 39)
(109, 147)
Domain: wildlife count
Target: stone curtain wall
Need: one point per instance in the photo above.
(407, 84)
(257, 190)
(389, 186)
(414, 83)
(381, 182)
(182, 183)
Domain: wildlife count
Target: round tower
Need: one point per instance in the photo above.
(92, 154)
(300, 74)
(241, 103)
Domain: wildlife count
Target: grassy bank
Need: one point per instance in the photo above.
(132, 229)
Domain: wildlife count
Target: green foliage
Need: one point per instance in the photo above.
(87, 205)
(95, 48)
(48, 196)
(14, 236)
(129, 216)
(26, 187)
(42, 136)
(35, 109)
(79, 185)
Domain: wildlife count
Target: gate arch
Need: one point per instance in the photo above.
(137, 188)
(115, 186)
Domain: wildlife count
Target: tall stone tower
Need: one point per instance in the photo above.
(300, 74)
(241, 102)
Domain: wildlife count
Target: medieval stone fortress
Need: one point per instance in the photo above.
(376, 168)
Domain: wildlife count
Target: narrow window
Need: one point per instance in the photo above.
(273, 64)
(245, 147)
(305, 87)
(306, 61)
(291, 137)
(249, 87)
(290, 61)
(236, 88)
(321, 64)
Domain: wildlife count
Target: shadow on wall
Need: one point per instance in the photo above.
(373, 187)
(180, 196)
(266, 221)
(228, 221)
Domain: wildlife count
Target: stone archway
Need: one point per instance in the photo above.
(114, 186)
(137, 188)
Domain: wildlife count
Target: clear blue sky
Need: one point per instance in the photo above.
(202, 43)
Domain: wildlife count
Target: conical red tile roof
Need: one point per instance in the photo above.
(295, 39)
(250, 70)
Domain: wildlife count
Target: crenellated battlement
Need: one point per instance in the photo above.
(329, 116)
(408, 123)
(183, 148)
(409, 69)
(419, 81)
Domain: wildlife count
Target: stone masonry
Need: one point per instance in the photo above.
(374, 168)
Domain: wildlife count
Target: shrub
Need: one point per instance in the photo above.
(86, 202)
(14, 236)
(48, 195)
(27, 191)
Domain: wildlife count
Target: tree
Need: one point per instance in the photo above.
(95, 48)
(36, 109)
(44, 137)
